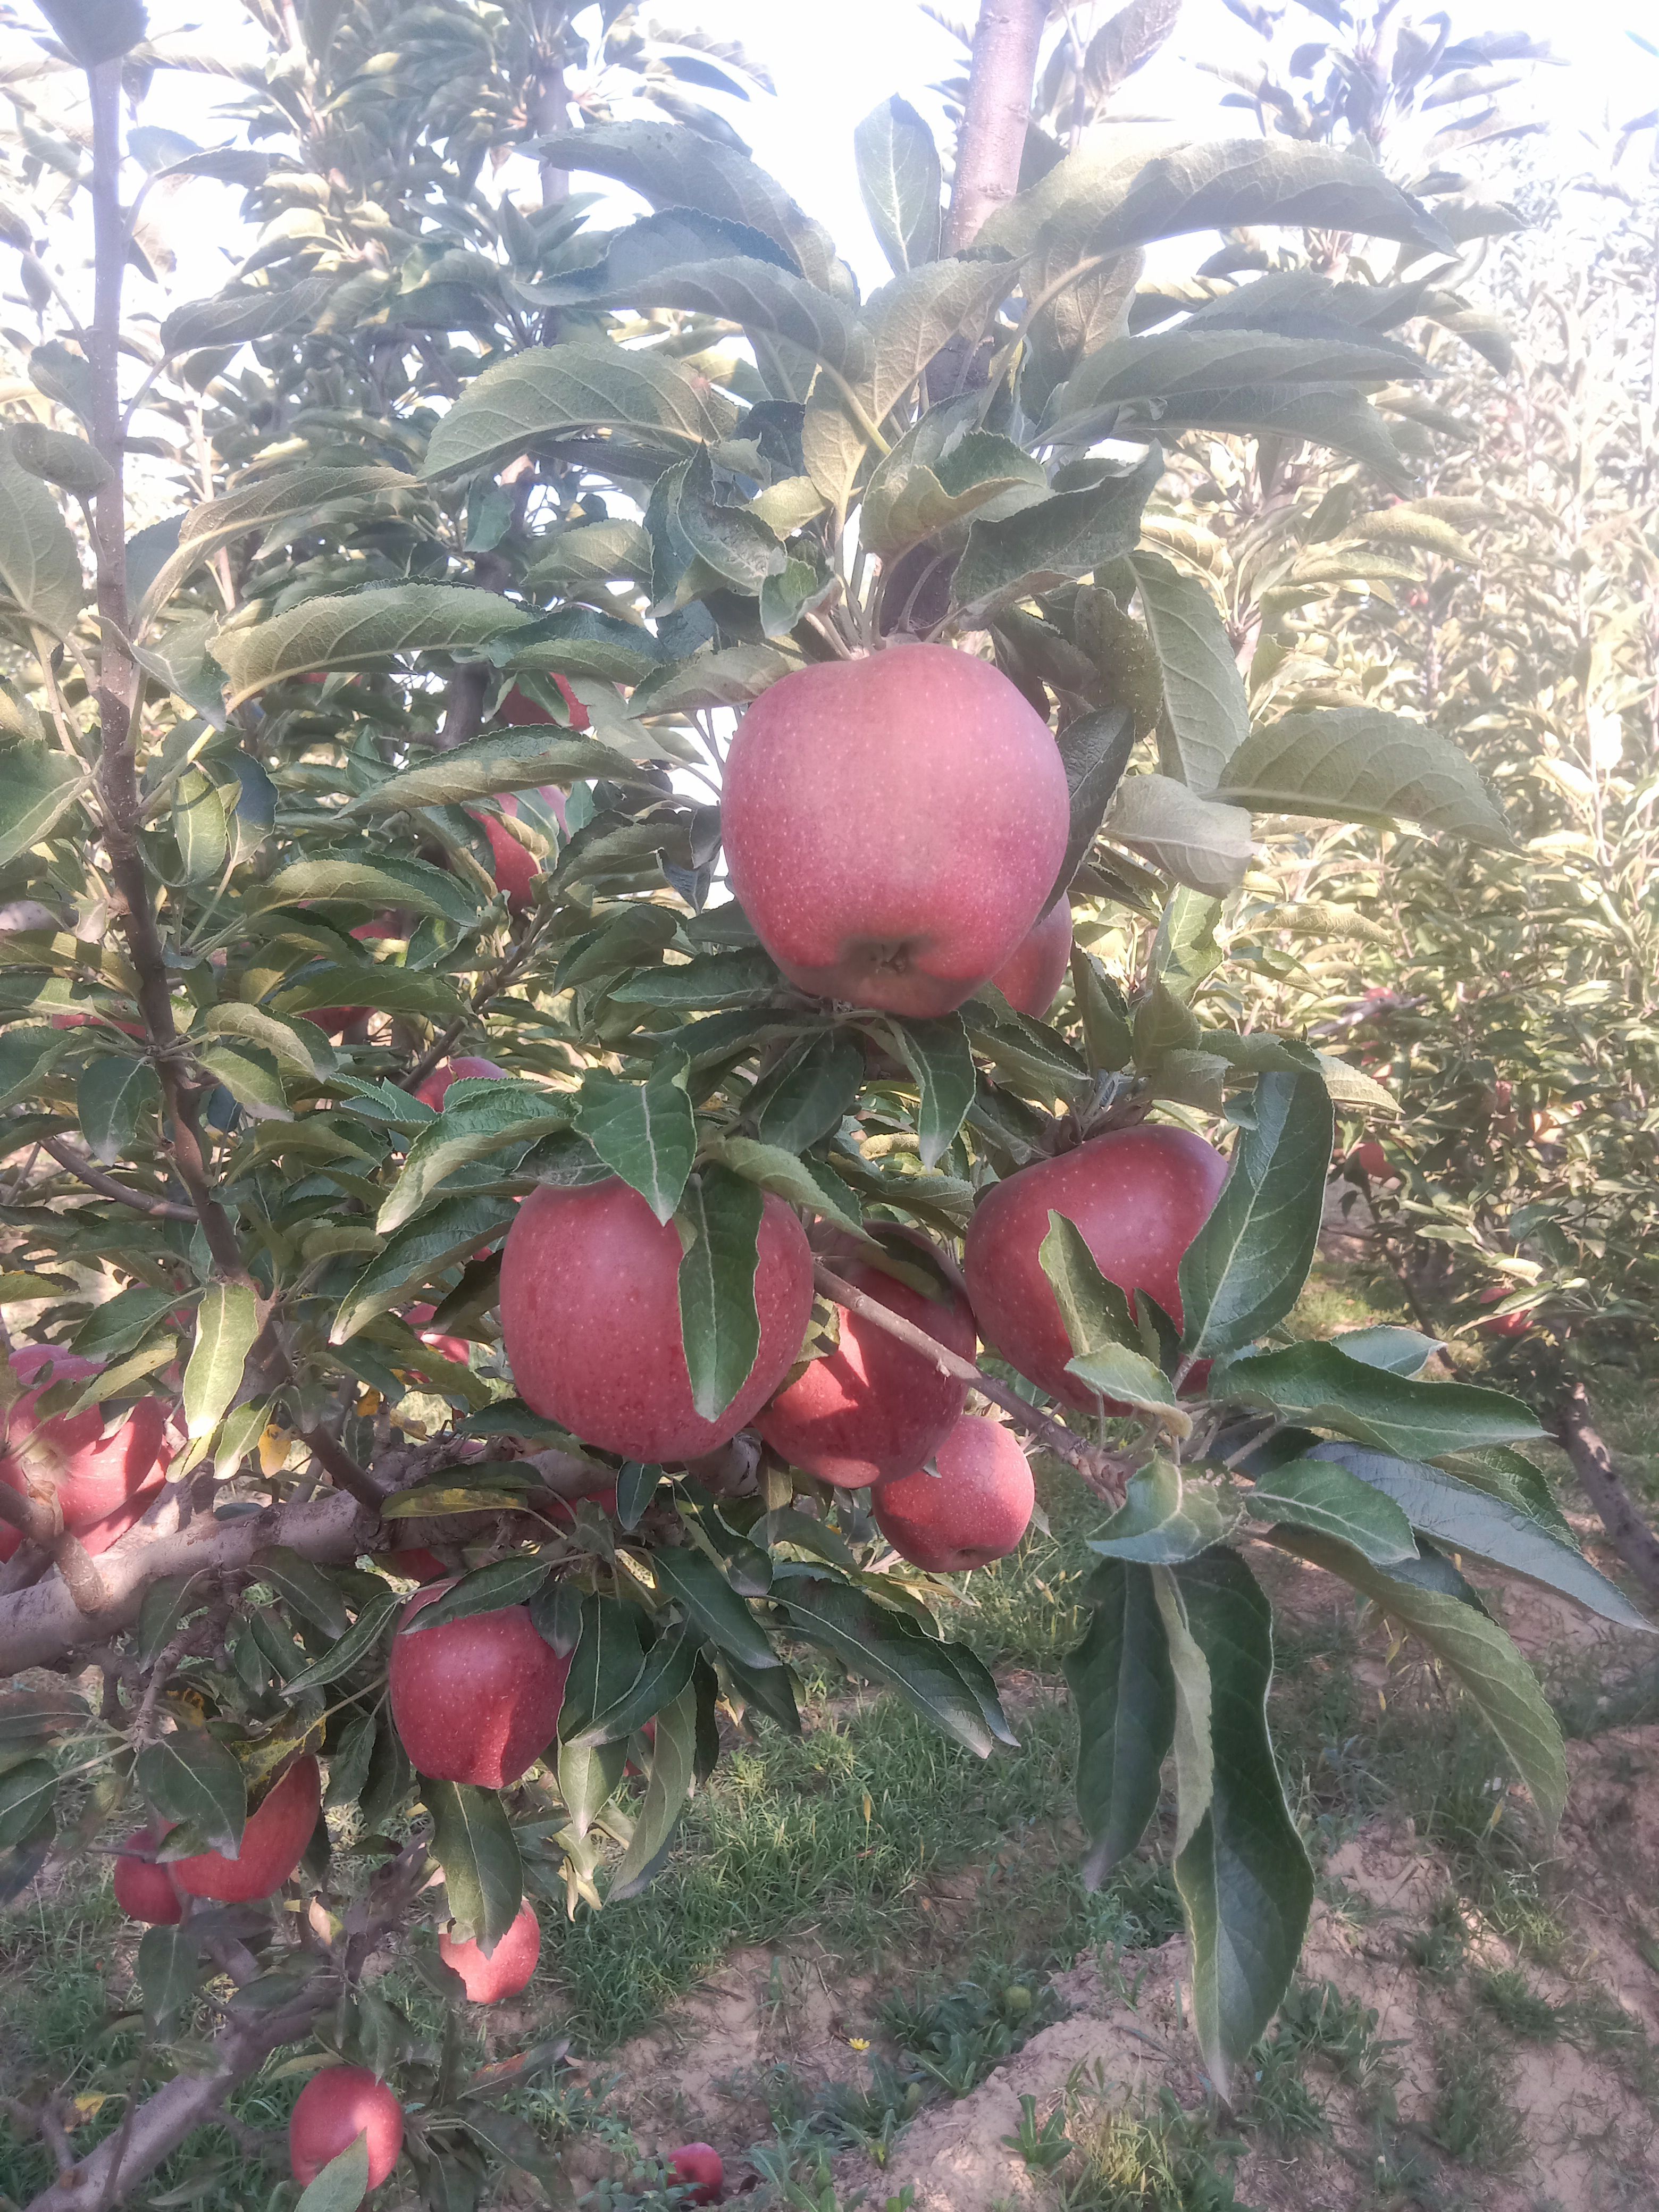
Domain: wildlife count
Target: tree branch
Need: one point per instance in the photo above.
(161, 1209)
(44, 1525)
(993, 135)
(1105, 1472)
(1628, 1532)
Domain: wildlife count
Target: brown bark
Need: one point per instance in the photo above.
(992, 138)
(1627, 1530)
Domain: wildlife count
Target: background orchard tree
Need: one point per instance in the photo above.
(361, 827)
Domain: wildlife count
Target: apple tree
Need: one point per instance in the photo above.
(482, 1296)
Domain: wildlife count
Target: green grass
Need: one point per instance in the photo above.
(1474, 2119)
(1155, 2159)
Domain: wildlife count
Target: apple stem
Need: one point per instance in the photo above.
(1105, 1472)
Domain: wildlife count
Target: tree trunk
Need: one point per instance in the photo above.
(1629, 1533)
(993, 139)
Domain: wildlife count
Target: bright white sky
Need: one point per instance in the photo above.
(831, 66)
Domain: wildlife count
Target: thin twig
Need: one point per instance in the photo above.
(78, 1166)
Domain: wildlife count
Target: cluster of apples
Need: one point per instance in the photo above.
(105, 1475)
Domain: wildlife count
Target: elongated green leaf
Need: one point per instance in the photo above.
(1169, 365)
(673, 1760)
(939, 473)
(719, 1222)
(1400, 1351)
(1055, 541)
(343, 2184)
(1123, 1695)
(357, 1642)
(382, 880)
(122, 1321)
(1360, 764)
(802, 1182)
(887, 1648)
(603, 1667)
(475, 1845)
(1194, 1753)
(166, 1974)
(26, 1051)
(505, 760)
(1316, 1493)
(1331, 415)
(937, 1053)
(453, 1229)
(486, 1589)
(710, 1601)
(668, 1667)
(644, 1132)
(899, 181)
(767, 300)
(37, 786)
(1473, 1648)
(552, 392)
(39, 568)
(813, 1094)
(712, 980)
(1462, 1518)
(1206, 715)
(1244, 1270)
(111, 1096)
(472, 1128)
(1317, 1386)
(1194, 840)
(1106, 1345)
(1166, 1517)
(361, 629)
(190, 1776)
(308, 1589)
(1243, 1877)
(27, 1792)
(226, 1323)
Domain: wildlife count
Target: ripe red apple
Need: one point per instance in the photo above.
(143, 1890)
(435, 1089)
(334, 2108)
(506, 1969)
(273, 1842)
(977, 1509)
(1030, 980)
(1140, 1196)
(477, 1701)
(417, 1564)
(519, 709)
(453, 1348)
(97, 1476)
(591, 1319)
(701, 2166)
(871, 1407)
(516, 868)
(1371, 1159)
(893, 824)
(1509, 1324)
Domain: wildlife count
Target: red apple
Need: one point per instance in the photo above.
(506, 1970)
(701, 2166)
(97, 1476)
(417, 1565)
(334, 2108)
(1030, 980)
(1140, 1196)
(477, 1701)
(893, 824)
(273, 1842)
(1371, 1159)
(453, 1348)
(977, 1509)
(516, 868)
(591, 1319)
(871, 1407)
(1509, 1324)
(519, 709)
(143, 1890)
(435, 1089)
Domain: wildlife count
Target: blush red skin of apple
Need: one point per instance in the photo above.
(273, 1843)
(1510, 1324)
(477, 1701)
(435, 1089)
(334, 2108)
(701, 2166)
(893, 824)
(453, 1348)
(1140, 1196)
(871, 1407)
(1030, 980)
(591, 1321)
(508, 1968)
(977, 1509)
(515, 867)
(143, 1890)
(417, 1564)
(100, 1479)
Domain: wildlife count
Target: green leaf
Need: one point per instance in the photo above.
(1245, 1269)
(1462, 1518)
(122, 1321)
(938, 1053)
(712, 980)
(802, 1182)
(113, 1095)
(1059, 538)
(1400, 1351)
(604, 1667)
(348, 1764)
(382, 881)
(472, 1127)
(250, 1074)
(167, 1975)
(1206, 715)
(1317, 1494)
(1166, 1518)
(726, 678)
(95, 31)
(1244, 1876)
(474, 1844)
(190, 1776)
(636, 1485)
(887, 1648)
(343, 2184)
(1106, 1345)
(1194, 840)
(26, 1051)
(709, 1601)
(200, 827)
(1317, 1386)
(487, 1590)
(1359, 764)
(1184, 952)
(453, 1229)
(1335, 417)
(673, 1761)
(1123, 1694)
(667, 1668)
(308, 1589)
(1096, 749)
(1472, 1649)
(899, 182)
(503, 761)
(719, 1222)
(226, 1323)
(358, 1640)
(37, 786)
(301, 1054)
(814, 1092)
(362, 630)
(27, 1795)
(39, 568)
(646, 1132)
(554, 391)
(938, 473)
